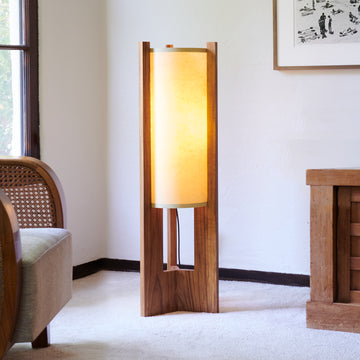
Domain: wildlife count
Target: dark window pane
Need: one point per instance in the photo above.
(11, 32)
(11, 102)
(19, 88)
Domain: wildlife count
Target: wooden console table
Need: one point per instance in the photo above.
(335, 250)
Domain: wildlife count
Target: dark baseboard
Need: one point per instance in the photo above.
(93, 267)
(83, 270)
(265, 277)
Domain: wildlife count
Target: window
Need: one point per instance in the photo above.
(19, 84)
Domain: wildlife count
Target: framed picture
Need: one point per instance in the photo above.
(316, 34)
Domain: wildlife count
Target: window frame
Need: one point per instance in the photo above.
(30, 96)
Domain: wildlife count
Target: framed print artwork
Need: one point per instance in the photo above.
(316, 34)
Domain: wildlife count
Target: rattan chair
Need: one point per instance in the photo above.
(35, 252)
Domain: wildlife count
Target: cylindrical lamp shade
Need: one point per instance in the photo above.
(178, 96)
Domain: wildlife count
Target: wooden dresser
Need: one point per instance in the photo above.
(335, 249)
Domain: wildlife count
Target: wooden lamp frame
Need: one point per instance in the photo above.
(174, 289)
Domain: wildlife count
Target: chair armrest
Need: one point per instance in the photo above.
(10, 272)
(30, 172)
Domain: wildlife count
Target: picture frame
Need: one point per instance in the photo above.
(288, 55)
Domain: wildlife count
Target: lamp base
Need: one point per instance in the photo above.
(164, 291)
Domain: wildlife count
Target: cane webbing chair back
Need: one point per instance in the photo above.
(34, 194)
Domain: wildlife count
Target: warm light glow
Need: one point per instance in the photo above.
(178, 127)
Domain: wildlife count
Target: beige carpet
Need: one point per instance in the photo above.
(257, 321)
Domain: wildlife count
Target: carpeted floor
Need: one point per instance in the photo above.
(256, 321)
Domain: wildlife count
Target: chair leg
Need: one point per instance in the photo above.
(43, 340)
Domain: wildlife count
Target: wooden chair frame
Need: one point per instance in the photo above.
(11, 257)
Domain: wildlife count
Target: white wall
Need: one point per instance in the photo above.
(272, 125)
(73, 115)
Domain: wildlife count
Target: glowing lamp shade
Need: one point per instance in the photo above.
(178, 102)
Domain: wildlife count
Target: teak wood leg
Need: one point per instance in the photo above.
(171, 240)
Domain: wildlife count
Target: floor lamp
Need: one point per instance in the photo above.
(178, 168)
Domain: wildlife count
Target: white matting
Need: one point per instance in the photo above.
(256, 321)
